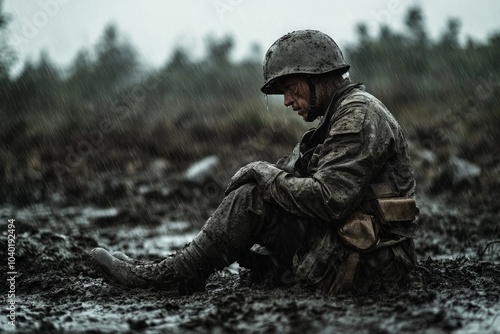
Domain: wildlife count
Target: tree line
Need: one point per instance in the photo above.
(409, 67)
(405, 68)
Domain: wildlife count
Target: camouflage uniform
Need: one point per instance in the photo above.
(312, 191)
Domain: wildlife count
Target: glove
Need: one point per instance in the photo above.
(245, 175)
(259, 172)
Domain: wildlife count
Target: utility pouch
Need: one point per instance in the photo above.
(396, 209)
(360, 231)
(389, 208)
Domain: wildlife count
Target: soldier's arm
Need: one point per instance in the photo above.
(352, 153)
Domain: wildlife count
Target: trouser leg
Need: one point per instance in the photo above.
(283, 236)
(231, 230)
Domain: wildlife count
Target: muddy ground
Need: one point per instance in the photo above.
(455, 287)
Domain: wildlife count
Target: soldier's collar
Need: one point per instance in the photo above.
(346, 86)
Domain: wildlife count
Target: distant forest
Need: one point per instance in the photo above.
(404, 67)
(208, 102)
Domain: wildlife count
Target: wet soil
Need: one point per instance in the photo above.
(454, 288)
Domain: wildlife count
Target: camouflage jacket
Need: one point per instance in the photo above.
(357, 143)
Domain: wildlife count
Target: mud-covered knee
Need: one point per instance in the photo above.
(247, 197)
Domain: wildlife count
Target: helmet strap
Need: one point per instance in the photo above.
(312, 115)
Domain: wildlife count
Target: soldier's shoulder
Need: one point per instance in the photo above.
(350, 115)
(356, 110)
(358, 97)
(353, 106)
(360, 101)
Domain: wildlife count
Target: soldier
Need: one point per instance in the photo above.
(337, 212)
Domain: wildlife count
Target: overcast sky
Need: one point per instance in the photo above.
(156, 27)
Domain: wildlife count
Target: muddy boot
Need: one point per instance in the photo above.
(224, 236)
(185, 271)
(130, 274)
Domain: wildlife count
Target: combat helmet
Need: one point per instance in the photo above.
(301, 52)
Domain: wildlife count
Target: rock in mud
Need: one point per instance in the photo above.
(457, 174)
(202, 171)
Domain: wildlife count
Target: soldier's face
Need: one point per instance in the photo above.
(296, 94)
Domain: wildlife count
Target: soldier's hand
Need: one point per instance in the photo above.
(245, 175)
(260, 172)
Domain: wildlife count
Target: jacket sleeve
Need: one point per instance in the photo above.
(355, 149)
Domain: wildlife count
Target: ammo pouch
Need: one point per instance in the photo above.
(360, 230)
(396, 209)
(388, 208)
